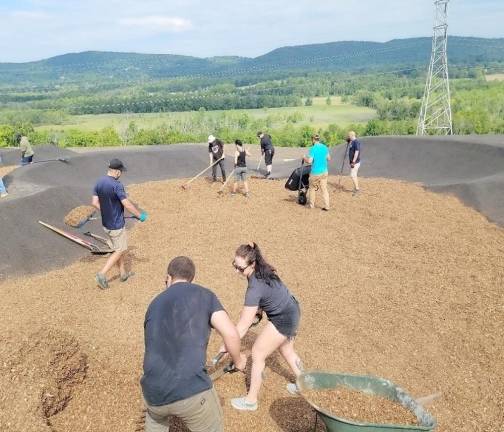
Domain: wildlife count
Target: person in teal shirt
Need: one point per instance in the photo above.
(318, 157)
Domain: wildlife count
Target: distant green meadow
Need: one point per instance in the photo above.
(319, 115)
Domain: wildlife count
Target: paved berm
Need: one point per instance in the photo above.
(399, 282)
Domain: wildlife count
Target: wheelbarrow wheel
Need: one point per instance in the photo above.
(302, 198)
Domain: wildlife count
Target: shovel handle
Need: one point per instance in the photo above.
(218, 358)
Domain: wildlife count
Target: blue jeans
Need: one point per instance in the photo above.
(2, 187)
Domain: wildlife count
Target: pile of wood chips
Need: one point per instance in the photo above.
(359, 406)
(79, 215)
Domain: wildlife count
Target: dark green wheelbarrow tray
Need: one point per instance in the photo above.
(315, 380)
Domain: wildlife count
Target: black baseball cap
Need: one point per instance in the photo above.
(117, 165)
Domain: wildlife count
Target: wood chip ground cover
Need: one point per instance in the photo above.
(355, 405)
(399, 282)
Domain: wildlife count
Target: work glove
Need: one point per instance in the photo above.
(352, 165)
(143, 216)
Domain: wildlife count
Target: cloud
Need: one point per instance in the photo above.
(158, 23)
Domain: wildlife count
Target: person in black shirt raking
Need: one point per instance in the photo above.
(216, 153)
(240, 164)
(266, 291)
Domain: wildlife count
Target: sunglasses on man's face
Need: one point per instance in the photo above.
(240, 269)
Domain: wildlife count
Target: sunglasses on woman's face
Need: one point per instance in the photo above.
(240, 269)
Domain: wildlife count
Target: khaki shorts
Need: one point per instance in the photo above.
(117, 239)
(354, 170)
(200, 413)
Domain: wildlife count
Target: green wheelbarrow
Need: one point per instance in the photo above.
(314, 380)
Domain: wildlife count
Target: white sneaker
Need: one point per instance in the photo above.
(3, 195)
(292, 388)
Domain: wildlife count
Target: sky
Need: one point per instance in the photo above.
(36, 29)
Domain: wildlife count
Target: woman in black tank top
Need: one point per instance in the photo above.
(240, 171)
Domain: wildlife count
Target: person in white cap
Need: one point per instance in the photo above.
(216, 153)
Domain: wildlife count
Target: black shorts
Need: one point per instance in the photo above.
(287, 322)
(268, 156)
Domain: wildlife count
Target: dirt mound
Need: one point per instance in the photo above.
(41, 373)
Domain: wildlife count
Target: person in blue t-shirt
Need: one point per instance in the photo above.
(177, 327)
(354, 153)
(110, 198)
(318, 157)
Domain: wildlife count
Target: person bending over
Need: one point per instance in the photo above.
(216, 153)
(177, 327)
(265, 291)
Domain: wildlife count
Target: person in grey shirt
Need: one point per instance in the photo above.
(265, 291)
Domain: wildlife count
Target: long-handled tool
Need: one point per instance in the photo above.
(221, 190)
(96, 237)
(343, 166)
(259, 164)
(228, 368)
(64, 160)
(76, 239)
(78, 216)
(186, 185)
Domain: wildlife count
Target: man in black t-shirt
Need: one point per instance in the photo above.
(267, 150)
(177, 328)
(216, 152)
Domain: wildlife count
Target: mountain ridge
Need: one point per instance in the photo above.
(331, 56)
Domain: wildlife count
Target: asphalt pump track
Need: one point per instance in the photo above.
(471, 168)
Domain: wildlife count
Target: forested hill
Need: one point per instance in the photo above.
(335, 56)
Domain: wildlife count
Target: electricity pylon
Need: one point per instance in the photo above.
(435, 115)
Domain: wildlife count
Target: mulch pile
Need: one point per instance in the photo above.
(398, 282)
(361, 407)
(79, 215)
(4, 170)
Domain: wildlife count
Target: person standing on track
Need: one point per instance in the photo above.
(3, 190)
(266, 291)
(110, 198)
(354, 153)
(318, 157)
(177, 327)
(216, 153)
(26, 150)
(267, 150)
(240, 164)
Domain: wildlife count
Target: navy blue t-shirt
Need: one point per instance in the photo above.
(355, 146)
(111, 192)
(177, 328)
(266, 143)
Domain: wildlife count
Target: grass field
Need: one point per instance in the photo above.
(318, 115)
(495, 77)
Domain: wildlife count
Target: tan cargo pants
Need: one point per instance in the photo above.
(318, 182)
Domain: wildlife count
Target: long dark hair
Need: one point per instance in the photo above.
(252, 254)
